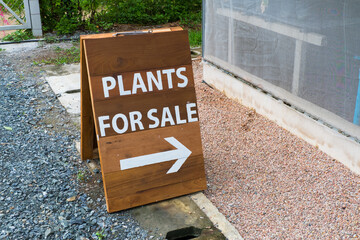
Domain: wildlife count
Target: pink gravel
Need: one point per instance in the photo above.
(269, 183)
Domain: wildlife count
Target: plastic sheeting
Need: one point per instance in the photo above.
(310, 48)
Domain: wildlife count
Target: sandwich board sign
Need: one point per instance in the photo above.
(137, 93)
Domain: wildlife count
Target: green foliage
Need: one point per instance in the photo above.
(149, 11)
(191, 20)
(67, 16)
(62, 16)
(1, 49)
(18, 35)
(195, 38)
(50, 39)
(81, 175)
(67, 25)
(100, 234)
(67, 56)
(63, 56)
(16, 5)
(105, 25)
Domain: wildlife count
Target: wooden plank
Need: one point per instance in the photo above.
(152, 176)
(138, 180)
(158, 153)
(127, 79)
(105, 58)
(159, 100)
(87, 120)
(110, 35)
(155, 195)
(127, 187)
(119, 147)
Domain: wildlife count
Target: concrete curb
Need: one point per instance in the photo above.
(329, 140)
(217, 218)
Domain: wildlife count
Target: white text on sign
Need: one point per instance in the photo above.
(133, 121)
(152, 82)
(147, 82)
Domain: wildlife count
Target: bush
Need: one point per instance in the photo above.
(66, 16)
(149, 11)
(195, 38)
(61, 16)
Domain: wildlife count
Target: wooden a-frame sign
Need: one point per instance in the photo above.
(138, 106)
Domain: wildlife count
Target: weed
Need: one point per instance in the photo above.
(63, 56)
(50, 39)
(100, 234)
(96, 15)
(18, 36)
(81, 175)
(67, 56)
(1, 49)
(195, 37)
(105, 25)
(191, 20)
(36, 63)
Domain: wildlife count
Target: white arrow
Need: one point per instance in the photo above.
(181, 153)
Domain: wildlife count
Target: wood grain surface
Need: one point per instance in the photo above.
(87, 120)
(128, 79)
(143, 104)
(155, 194)
(147, 54)
(146, 51)
(115, 148)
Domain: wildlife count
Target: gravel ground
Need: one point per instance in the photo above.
(269, 183)
(45, 191)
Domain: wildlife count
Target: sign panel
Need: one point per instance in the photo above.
(138, 93)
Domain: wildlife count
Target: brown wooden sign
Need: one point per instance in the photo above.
(137, 92)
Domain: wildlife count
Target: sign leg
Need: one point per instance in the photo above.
(87, 120)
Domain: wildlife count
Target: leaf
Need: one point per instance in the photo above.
(71, 199)
(8, 128)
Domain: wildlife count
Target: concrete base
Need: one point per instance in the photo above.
(173, 214)
(67, 87)
(336, 145)
(215, 216)
(71, 102)
(19, 47)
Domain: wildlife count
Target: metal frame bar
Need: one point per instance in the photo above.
(27, 14)
(298, 103)
(203, 27)
(283, 29)
(280, 28)
(12, 12)
(24, 25)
